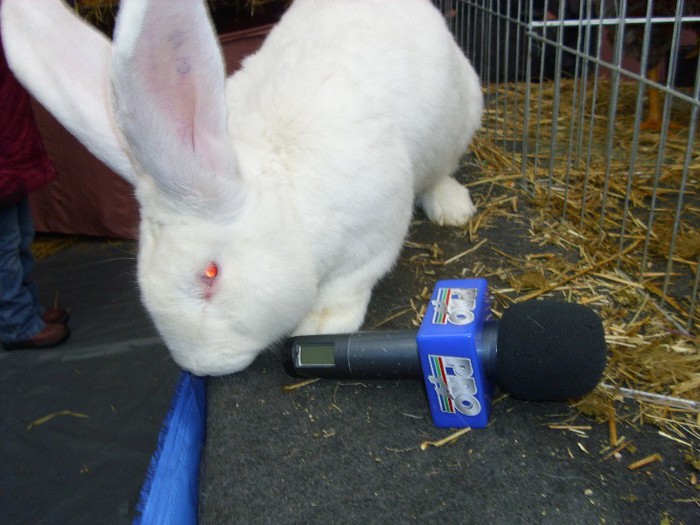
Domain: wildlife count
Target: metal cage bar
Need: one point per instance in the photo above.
(540, 58)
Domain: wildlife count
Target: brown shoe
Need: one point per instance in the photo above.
(55, 315)
(52, 335)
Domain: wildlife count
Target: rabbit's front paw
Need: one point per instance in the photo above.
(331, 320)
(344, 314)
(448, 203)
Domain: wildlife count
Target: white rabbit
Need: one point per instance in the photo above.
(272, 201)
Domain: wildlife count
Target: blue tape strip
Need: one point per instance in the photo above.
(171, 491)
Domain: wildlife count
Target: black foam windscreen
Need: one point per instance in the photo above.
(550, 350)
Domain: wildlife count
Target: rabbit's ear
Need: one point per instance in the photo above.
(168, 86)
(64, 63)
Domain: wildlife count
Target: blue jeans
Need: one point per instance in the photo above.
(20, 310)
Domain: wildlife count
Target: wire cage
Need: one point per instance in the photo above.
(568, 87)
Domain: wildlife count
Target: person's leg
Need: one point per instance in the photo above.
(26, 230)
(20, 314)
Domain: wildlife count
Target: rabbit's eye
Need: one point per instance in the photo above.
(208, 276)
(211, 271)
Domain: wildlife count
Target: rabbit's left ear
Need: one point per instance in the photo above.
(168, 80)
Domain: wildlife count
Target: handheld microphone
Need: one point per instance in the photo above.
(538, 351)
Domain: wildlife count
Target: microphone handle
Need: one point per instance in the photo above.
(391, 354)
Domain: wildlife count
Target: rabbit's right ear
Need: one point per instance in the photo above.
(65, 63)
(168, 81)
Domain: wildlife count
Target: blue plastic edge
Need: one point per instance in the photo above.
(170, 492)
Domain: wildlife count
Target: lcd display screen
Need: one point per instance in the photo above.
(316, 354)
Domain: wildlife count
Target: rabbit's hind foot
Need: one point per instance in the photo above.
(447, 203)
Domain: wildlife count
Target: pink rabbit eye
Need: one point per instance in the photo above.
(211, 271)
(207, 277)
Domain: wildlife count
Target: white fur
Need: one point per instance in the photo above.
(296, 176)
